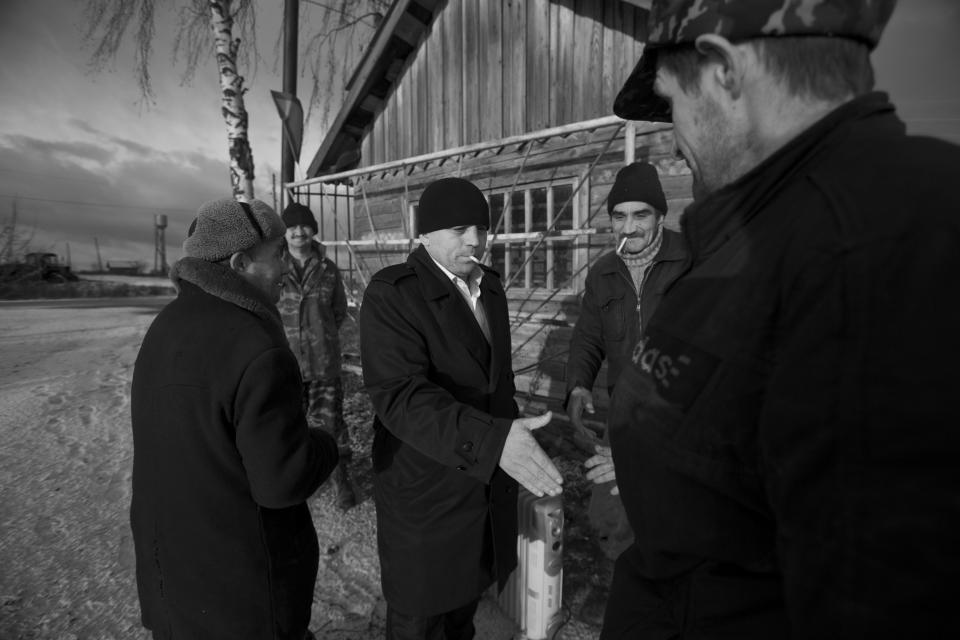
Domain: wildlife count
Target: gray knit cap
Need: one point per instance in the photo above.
(225, 226)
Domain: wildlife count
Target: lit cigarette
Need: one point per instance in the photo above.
(620, 246)
(474, 258)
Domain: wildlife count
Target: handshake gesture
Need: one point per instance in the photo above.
(600, 466)
(524, 460)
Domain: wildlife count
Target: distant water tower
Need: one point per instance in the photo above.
(160, 243)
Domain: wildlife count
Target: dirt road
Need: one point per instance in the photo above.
(66, 556)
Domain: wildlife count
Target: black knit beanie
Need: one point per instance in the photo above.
(449, 203)
(637, 182)
(296, 213)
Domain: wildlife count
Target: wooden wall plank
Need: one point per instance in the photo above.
(404, 103)
(375, 136)
(538, 74)
(491, 98)
(422, 109)
(586, 60)
(471, 71)
(452, 55)
(386, 125)
(366, 145)
(435, 72)
(596, 107)
(561, 52)
(514, 66)
(639, 34)
(611, 41)
(391, 129)
(625, 52)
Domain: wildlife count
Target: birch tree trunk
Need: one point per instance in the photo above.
(231, 100)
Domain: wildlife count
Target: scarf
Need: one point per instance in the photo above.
(638, 263)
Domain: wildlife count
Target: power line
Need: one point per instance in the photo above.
(96, 204)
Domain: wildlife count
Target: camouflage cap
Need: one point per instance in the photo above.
(673, 22)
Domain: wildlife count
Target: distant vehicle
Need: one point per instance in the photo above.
(125, 267)
(38, 266)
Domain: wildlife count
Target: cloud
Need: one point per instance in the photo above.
(113, 197)
(74, 151)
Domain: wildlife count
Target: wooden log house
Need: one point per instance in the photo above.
(516, 96)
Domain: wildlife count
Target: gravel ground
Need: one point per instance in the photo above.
(65, 546)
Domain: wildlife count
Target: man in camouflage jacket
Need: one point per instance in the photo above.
(313, 305)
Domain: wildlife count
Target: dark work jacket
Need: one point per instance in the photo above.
(223, 464)
(609, 323)
(446, 512)
(786, 435)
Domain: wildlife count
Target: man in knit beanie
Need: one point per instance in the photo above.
(224, 460)
(622, 291)
(448, 447)
(312, 306)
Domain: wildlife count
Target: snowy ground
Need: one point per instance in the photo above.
(66, 556)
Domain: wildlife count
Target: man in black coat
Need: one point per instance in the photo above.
(448, 448)
(786, 432)
(223, 458)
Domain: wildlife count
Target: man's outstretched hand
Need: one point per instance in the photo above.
(526, 462)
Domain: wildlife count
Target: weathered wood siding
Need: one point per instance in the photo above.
(490, 69)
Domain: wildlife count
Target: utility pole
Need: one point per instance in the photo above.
(96, 243)
(291, 23)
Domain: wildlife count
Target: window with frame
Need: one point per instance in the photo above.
(520, 220)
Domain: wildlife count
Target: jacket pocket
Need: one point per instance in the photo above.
(613, 318)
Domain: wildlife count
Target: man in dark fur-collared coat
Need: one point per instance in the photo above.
(223, 459)
(448, 449)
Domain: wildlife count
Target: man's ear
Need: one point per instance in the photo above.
(728, 61)
(239, 261)
(424, 240)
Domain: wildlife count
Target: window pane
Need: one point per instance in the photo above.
(562, 193)
(562, 265)
(496, 212)
(539, 206)
(496, 259)
(539, 262)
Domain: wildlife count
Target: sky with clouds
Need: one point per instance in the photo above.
(85, 158)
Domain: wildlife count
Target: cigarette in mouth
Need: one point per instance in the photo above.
(620, 246)
(474, 258)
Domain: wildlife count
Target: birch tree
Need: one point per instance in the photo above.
(345, 27)
(231, 100)
(109, 20)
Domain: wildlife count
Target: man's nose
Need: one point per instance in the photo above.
(629, 225)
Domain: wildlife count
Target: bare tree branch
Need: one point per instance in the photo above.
(324, 58)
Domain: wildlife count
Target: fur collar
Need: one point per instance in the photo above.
(223, 282)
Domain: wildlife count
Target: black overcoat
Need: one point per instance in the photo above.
(446, 512)
(223, 464)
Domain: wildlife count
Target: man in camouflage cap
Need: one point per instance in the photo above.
(785, 432)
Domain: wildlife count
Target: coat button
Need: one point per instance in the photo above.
(467, 446)
(460, 467)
